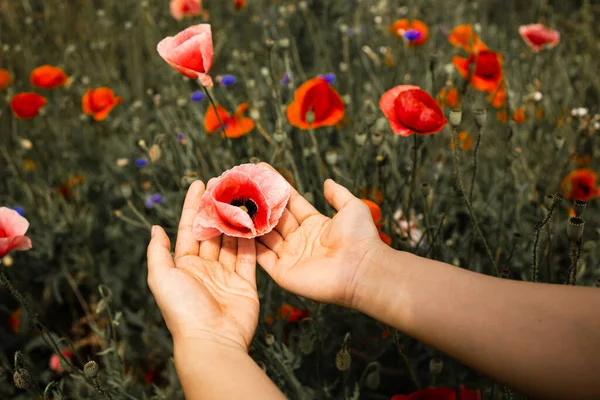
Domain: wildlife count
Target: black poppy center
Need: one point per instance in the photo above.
(247, 205)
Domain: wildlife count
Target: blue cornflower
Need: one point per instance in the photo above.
(153, 199)
(228, 80)
(141, 162)
(198, 96)
(19, 210)
(330, 77)
(412, 35)
(286, 79)
(180, 137)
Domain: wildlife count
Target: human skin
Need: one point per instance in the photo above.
(541, 339)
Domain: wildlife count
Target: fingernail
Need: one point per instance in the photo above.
(153, 231)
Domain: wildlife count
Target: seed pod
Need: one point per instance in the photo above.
(269, 339)
(360, 138)
(373, 379)
(455, 117)
(331, 156)
(425, 189)
(480, 117)
(279, 136)
(377, 138)
(343, 359)
(579, 207)
(90, 369)
(436, 365)
(22, 379)
(559, 142)
(306, 344)
(575, 228)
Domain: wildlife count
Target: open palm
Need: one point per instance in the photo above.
(316, 256)
(208, 290)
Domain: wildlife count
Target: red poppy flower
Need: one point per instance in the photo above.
(246, 201)
(449, 97)
(465, 140)
(538, 36)
(519, 115)
(468, 394)
(401, 26)
(190, 52)
(580, 185)
(55, 360)
(487, 69)
(498, 97)
(48, 77)
(236, 125)
(27, 105)
(428, 394)
(411, 110)
(185, 8)
(293, 314)
(99, 102)
(238, 4)
(317, 96)
(14, 320)
(376, 214)
(463, 36)
(5, 79)
(12, 232)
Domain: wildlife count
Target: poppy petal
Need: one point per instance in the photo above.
(211, 118)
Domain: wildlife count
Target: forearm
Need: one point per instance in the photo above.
(542, 339)
(213, 370)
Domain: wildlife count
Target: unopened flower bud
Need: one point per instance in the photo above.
(575, 228)
(373, 379)
(90, 369)
(142, 144)
(331, 157)
(436, 365)
(579, 207)
(480, 117)
(455, 117)
(306, 344)
(343, 360)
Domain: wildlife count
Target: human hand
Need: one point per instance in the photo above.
(319, 257)
(208, 290)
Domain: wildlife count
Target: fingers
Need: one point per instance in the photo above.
(245, 264)
(273, 240)
(300, 208)
(186, 244)
(266, 258)
(209, 249)
(159, 254)
(337, 195)
(287, 224)
(228, 253)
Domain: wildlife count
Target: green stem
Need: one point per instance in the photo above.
(536, 241)
(475, 154)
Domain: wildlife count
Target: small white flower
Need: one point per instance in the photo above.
(537, 96)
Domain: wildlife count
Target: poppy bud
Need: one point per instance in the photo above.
(436, 365)
(377, 138)
(90, 369)
(331, 157)
(559, 142)
(360, 138)
(575, 228)
(269, 339)
(343, 359)
(480, 117)
(22, 379)
(306, 344)
(579, 207)
(455, 117)
(373, 379)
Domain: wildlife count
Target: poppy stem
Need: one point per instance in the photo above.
(538, 231)
(469, 206)
(475, 158)
(214, 106)
(412, 182)
(574, 247)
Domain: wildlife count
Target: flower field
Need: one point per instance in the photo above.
(468, 128)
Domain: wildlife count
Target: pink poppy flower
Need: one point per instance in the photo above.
(411, 110)
(245, 201)
(537, 36)
(55, 360)
(12, 232)
(190, 52)
(185, 8)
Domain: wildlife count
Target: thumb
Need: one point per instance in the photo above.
(337, 195)
(159, 253)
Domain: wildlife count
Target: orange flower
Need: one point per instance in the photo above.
(486, 72)
(463, 36)
(401, 26)
(376, 214)
(449, 97)
(269, 320)
(14, 320)
(236, 125)
(29, 165)
(293, 314)
(519, 115)
(315, 95)
(48, 77)
(580, 185)
(27, 105)
(501, 116)
(465, 140)
(372, 194)
(5, 79)
(99, 102)
(66, 190)
(539, 113)
(238, 4)
(498, 97)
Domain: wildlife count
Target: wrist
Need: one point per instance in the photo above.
(205, 341)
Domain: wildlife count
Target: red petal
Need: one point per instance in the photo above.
(417, 111)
